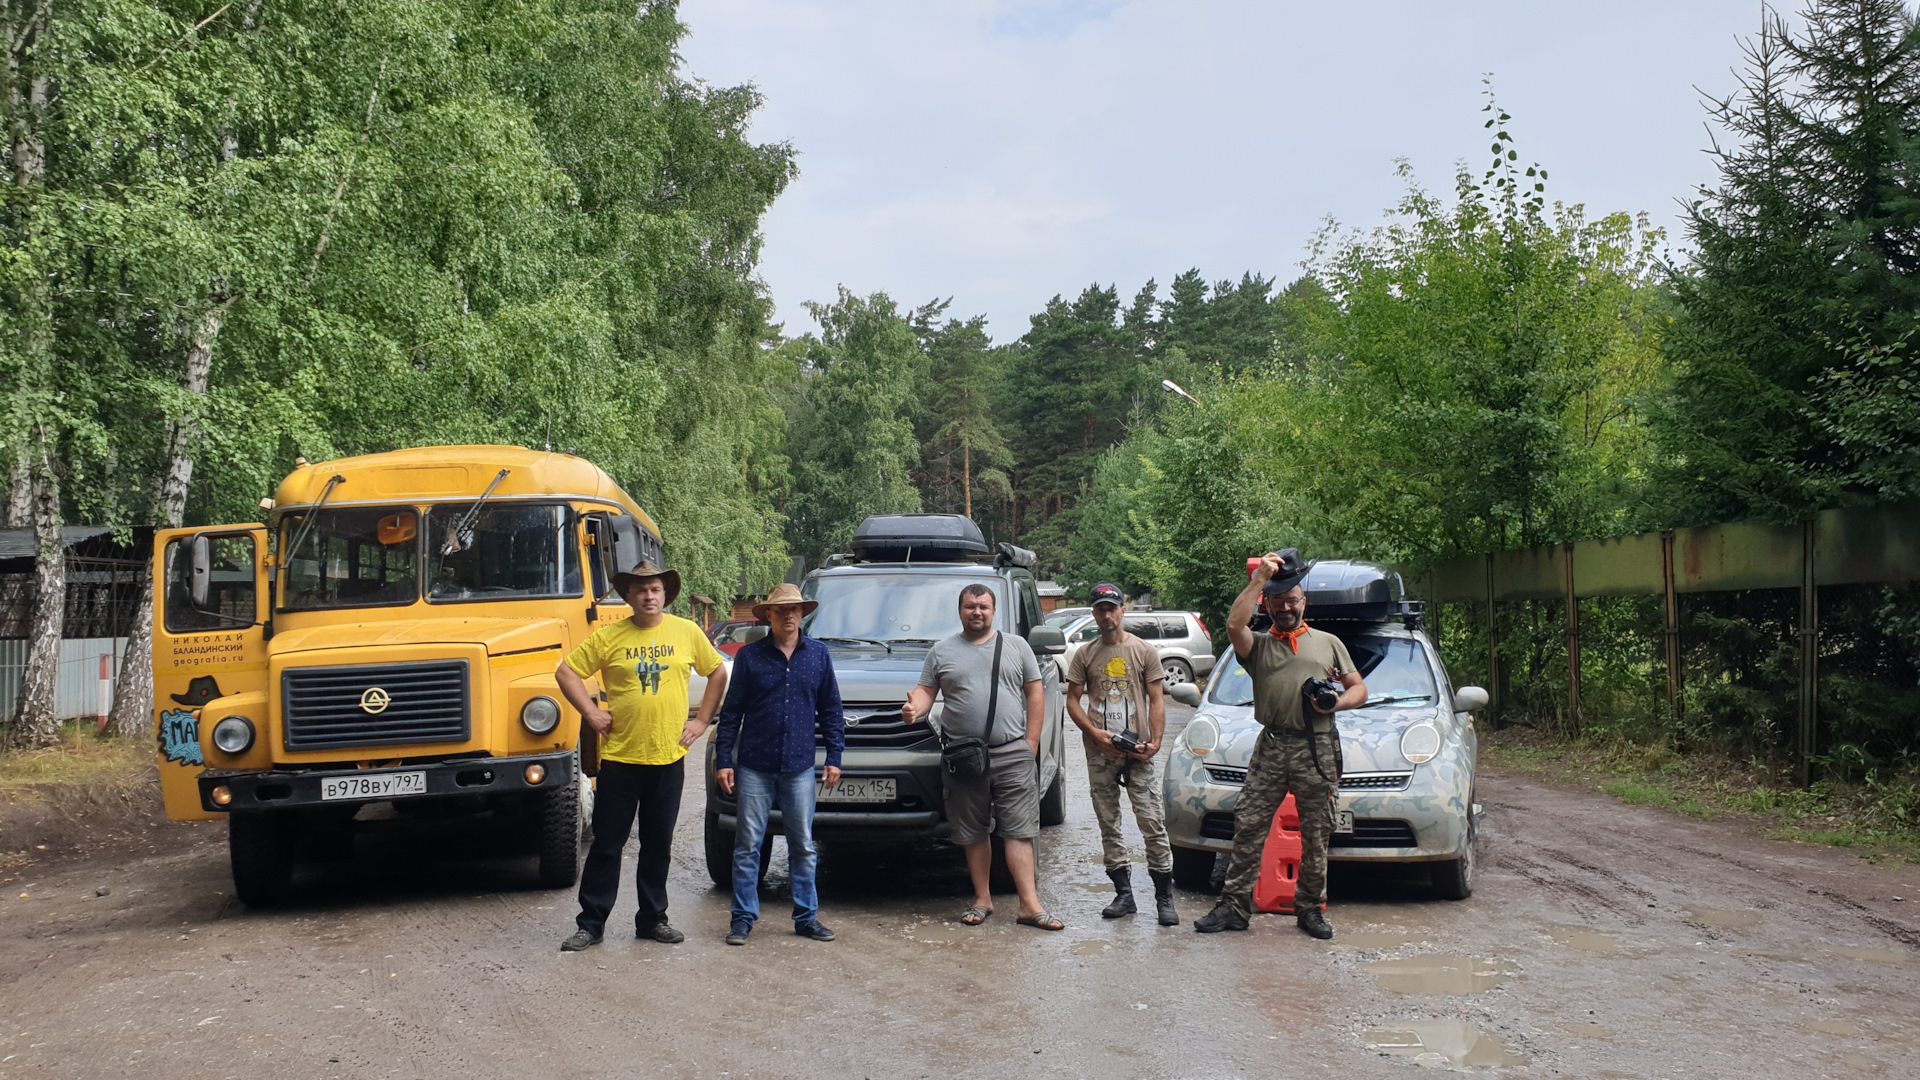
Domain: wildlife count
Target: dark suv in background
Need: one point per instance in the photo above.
(881, 608)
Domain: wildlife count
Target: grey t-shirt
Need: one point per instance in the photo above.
(958, 669)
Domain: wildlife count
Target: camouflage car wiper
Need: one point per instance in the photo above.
(1395, 699)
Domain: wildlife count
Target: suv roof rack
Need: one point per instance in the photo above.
(918, 537)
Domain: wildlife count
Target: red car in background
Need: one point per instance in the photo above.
(729, 636)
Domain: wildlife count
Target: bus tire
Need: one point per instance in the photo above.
(559, 836)
(259, 845)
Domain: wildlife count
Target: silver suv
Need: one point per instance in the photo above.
(1181, 639)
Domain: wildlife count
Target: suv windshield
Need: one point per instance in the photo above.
(518, 552)
(1395, 669)
(352, 557)
(890, 607)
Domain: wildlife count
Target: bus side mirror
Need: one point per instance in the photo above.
(200, 579)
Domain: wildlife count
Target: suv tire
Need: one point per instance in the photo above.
(1194, 870)
(1178, 671)
(259, 845)
(1053, 804)
(559, 821)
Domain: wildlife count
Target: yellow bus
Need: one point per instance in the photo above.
(385, 645)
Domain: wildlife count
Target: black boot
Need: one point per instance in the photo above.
(1314, 923)
(1163, 896)
(1224, 916)
(1122, 894)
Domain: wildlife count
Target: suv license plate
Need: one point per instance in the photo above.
(373, 786)
(867, 789)
(1344, 823)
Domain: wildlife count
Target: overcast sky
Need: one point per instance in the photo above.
(1002, 151)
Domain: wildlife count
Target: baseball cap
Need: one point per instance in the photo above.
(1108, 594)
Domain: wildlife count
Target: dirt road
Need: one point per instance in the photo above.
(1603, 941)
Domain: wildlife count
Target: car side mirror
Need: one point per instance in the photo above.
(1047, 640)
(1186, 694)
(1469, 699)
(200, 576)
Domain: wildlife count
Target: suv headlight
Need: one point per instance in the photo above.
(540, 716)
(1420, 742)
(1202, 736)
(233, 735)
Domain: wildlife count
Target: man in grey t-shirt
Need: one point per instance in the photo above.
(1007, 799)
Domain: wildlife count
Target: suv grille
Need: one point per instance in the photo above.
(877, 723)
(426, 703)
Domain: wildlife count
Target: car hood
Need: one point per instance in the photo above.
(1369, 738)
(499, 635)
(873, 676)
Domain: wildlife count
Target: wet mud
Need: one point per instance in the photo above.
(1602, 940)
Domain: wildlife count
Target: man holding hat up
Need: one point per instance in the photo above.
(782, 694)
(1296, 751)
(645, 663)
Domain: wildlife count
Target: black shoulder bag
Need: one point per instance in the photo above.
(965, 757)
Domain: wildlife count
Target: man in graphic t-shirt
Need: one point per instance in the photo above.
(645, 663)
(1121, 678)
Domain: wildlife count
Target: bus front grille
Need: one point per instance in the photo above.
(325, 708)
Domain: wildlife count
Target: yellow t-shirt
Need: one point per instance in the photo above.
(645, 673)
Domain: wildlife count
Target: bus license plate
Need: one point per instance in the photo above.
(373, 786)
(1344, 824)
(867, 789)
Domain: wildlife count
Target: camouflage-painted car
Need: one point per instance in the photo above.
(1406, 794)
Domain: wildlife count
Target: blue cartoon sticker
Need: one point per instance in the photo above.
(180, 737)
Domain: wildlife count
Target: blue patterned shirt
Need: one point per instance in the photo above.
(774, 707)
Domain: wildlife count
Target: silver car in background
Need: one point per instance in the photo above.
(1406, 793)
(1181, 639)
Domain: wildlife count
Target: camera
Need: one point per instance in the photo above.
(1127, 742)
(1321, 694)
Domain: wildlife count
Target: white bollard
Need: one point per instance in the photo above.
(106, 692)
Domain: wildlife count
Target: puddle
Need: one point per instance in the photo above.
(1590, 941)
(1831, 1027)
(1860, 1062)
(1726, 918)
(1871, 956)
(1442, 1043)
(1389, 939)
(1105, 886)
(1088, 948)
(943, 934)
(1438, 975)
(1590, 1031)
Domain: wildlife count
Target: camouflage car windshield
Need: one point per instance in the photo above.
(1395, 669)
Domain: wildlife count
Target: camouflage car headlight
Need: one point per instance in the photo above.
(1420, 743)
(1201, 737)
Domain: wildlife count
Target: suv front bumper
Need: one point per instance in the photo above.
(289, 790)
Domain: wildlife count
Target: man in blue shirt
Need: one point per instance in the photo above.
(782, 692)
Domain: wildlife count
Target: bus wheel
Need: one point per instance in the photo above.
(261, 850)
(559, 836)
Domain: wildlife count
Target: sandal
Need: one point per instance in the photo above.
(975, 915)
(1042, 920)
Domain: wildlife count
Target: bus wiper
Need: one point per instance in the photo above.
(1397, 699)
(460, 533)
(306, 522)
(858, 641)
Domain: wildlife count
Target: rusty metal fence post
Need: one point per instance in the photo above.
(1573, 640)
(1809, 656)
(1675, 685)
(1493, 651)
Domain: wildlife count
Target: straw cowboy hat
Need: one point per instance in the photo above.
(626, 579)
(781, 596)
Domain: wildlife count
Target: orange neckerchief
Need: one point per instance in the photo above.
(1291, 637)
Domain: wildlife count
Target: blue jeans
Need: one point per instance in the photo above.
(755, 794)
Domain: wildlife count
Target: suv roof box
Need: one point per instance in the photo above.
(1341, 589)
(919, 537)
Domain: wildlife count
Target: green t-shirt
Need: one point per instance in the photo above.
(645, 672)
(1278, 674)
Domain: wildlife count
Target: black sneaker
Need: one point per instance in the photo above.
(579, 941)
(739, 932)
(1314, 924)
(813, 930)
(1224, 916)
(662, 932)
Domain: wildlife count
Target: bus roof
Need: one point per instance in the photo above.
(452, 473)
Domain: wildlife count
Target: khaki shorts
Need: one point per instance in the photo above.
(1005, 801)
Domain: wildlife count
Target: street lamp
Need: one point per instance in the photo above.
(1172, 387)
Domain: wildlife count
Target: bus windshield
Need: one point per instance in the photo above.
(352, 557)
(517, 552)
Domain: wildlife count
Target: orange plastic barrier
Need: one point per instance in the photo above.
(1279, 862)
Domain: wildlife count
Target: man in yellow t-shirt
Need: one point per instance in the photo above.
(644, 663)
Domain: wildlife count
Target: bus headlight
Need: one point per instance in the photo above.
(540, 716)
(1202, 736)
(1420, 743)
(233, 735)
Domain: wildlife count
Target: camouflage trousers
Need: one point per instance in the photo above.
(1283, 764)
(1149, 809)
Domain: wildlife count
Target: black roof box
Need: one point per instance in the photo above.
(1340, 589)
(918, 537)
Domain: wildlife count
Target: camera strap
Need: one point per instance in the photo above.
(993, 692)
